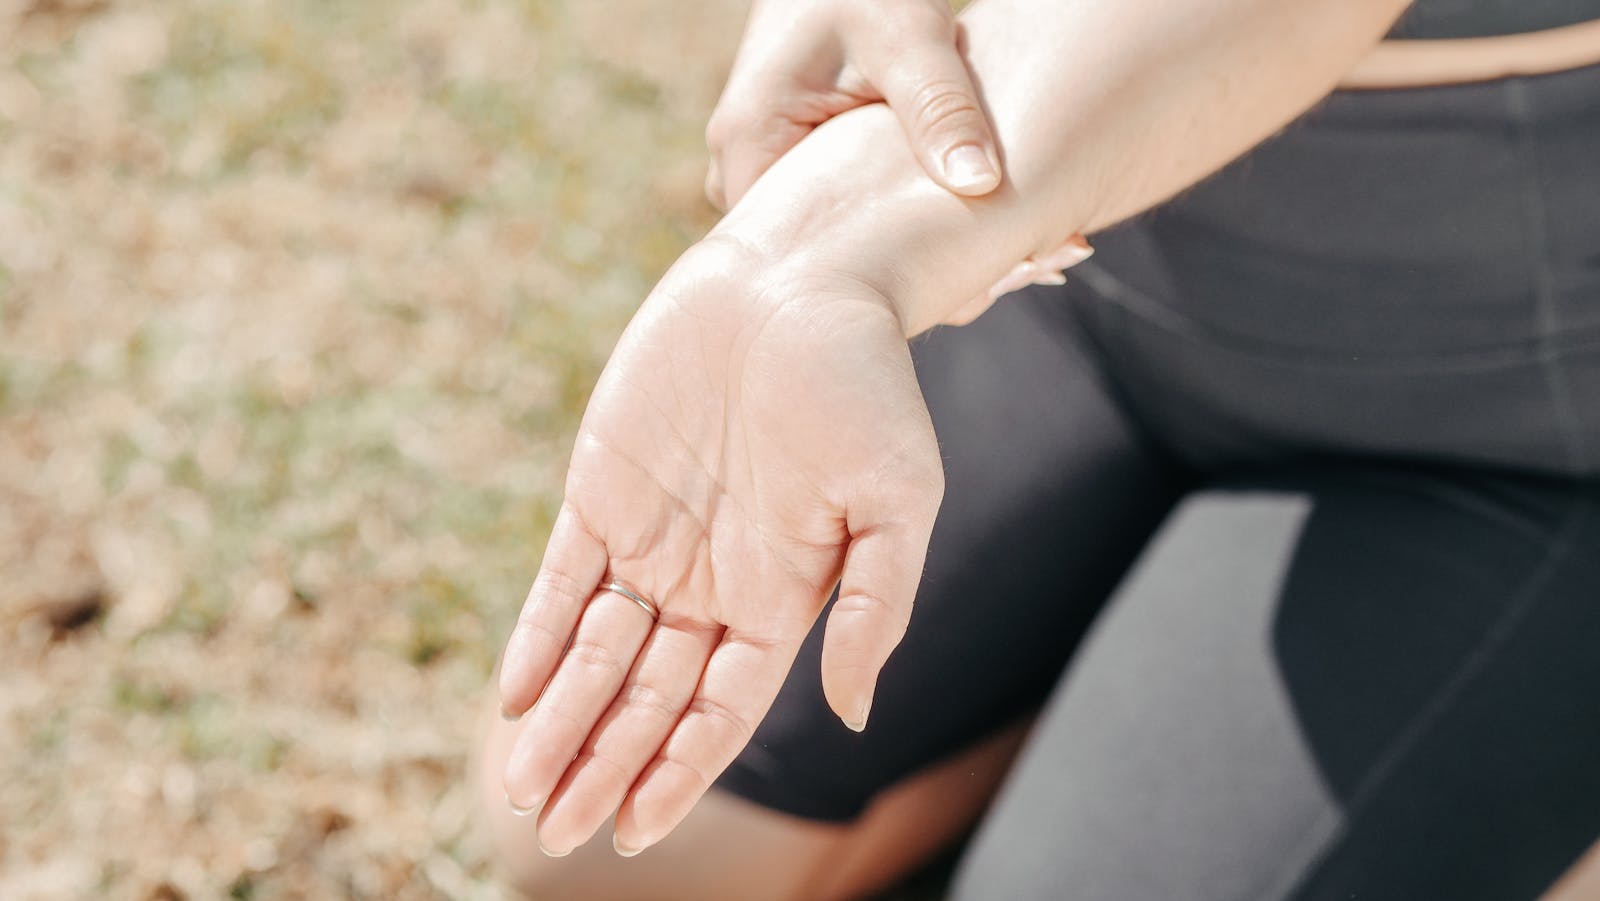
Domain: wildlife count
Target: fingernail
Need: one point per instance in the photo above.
(509, 716)
(550, 853)
(968, 168)
(521, 811)
(620, 848)
(859, 724)
(1070, 254)
(1075, 253)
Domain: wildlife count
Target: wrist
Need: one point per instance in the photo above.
(851, 200)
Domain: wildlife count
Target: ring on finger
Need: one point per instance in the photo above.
(617, 586)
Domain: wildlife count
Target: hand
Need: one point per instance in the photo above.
(803, 62)
(757, 436)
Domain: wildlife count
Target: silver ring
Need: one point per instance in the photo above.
(620, 587)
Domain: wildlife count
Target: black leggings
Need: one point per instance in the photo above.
(1352, 388)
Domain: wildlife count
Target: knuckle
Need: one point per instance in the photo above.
(596, 656)
(699, 777)
(600, 760)
(534, 630)
(768, 112)
(929, 21)
(938, 105)
(651, 700)
(865, 602)
(924, 462)
(920, 486)
(915, 19)
(716, 711)
(876, 608)
(733, 117)
(716, 192)
(933, 484)
(557, 584)
(718, 130)
(559, 724)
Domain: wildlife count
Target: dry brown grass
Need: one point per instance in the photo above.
(299, 302)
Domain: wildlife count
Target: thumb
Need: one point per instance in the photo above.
(931, 91)
(881, 570)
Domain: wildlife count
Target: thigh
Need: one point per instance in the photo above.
(1371, 682)
(1050, 492)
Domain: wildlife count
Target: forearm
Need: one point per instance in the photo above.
(1103, 109)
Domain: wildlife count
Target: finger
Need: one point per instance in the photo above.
(1044, 269)
(574, 561)
(592, 669)
(881, 571)
(929, 88)
(714, 189)
(1073, 251)
(754, 147)
(741, 679)
(629, 735)
(1021, 276)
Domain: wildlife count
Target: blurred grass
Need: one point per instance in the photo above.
(299, 304)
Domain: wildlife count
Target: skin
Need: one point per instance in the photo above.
(758, 436)
(801, 64)
(730, 848)
(1581, 882)
(731, 470)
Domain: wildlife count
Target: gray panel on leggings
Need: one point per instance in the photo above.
(1168, 763)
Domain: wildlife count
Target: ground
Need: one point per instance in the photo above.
(299, 303)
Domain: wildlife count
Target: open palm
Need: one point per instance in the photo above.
(755, 440)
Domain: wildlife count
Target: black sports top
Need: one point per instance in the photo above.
(1483, 18)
